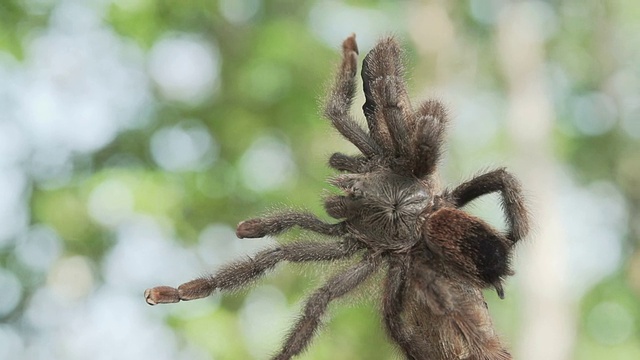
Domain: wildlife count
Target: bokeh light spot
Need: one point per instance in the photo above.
(218, 244)
(39, 247)
(13, 212)
(187, 146)
(185, 67)
(267, 165)
(144, 256)
(13, 144)
(71, 278)
(11, 290)
(594, 114)
(610, 323)
(263, 319)
(111, 202)
(239, 11)
(11, 344)
(266, 82)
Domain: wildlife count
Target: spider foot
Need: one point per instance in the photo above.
(194, 289)
(252, 228)
(350, 54)
(161, 295)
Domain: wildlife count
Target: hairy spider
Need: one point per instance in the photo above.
(392, 215)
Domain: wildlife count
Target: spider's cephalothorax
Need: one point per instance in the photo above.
(381, 208)
(437, 258)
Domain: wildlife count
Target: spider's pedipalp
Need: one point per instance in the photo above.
(341, 97)
(337, 286)
(428, 138)
(512, 200)
(387, 106)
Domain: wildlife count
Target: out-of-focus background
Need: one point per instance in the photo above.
(135, 135)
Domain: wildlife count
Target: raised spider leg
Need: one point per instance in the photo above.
(387, 107)
(277, 223)
(512, 199)
(237, 274)
(338, 285)
(341, 97)
(392, 305)
(429, 135)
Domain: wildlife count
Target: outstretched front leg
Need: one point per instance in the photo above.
(512, 199)
(337, 286)
(238, 274)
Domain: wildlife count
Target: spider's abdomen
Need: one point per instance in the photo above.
(381, 208)
(470, 245)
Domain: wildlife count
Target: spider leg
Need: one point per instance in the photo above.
(512, 200)
(277, 223)
(392, 306)
(341, 97)
(337, 286)
(352, 164)
(238, 274)
(387, 107)
(429, 136)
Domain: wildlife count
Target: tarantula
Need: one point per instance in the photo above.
(392, 215)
